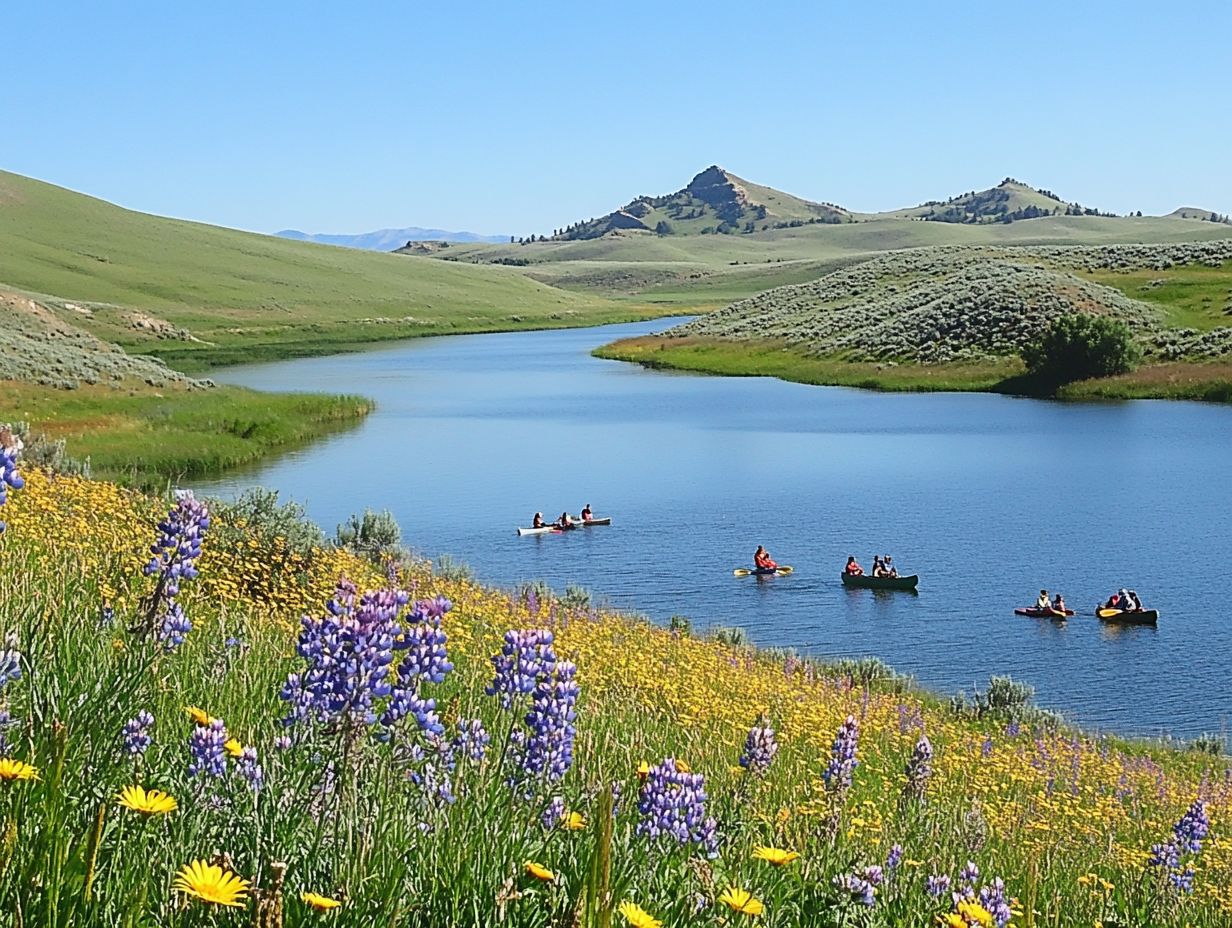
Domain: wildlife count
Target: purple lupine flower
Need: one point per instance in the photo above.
(986, 748)
(1013, 729)
(919, 769)
(1192, 828)
(525, 657)
(424, 642)
(343, 600)
(759, 750)
(248, 768)
(1165, 855)
(1182, 880)
(407, 702)
(6, 722)
(10, 667)
(937, 885)
(472, 739)
(554, 814)
(861, 885)
(10, 448)
(672, 804)
(993, 898)
(894, 858)
(136, 734)
(348, 656)
(283, 743)
(838, 772)
(549, 749)
(968, 877)
(205, 744)
(174, 627)
(178, 543)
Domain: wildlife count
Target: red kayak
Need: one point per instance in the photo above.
(1049, 613)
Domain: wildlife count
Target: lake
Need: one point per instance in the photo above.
(988, 498)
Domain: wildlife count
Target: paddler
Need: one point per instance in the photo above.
(564, 521)
(1043, 602)
(762, 560)
(1058, 605)
(538, 522)
(853, 569)
(587, 515)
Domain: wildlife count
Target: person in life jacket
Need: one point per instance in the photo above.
(1043, 602)
(564, 521)
(538, 523)
(854, 569)
(587, 515)
(1058, 604)
(879, 568)
(762, 560)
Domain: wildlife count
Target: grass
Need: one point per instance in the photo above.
(1066, 820)
(148, 437)
(1193, 296)
(775, 359)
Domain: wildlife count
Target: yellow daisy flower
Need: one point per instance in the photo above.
(318, 902)
(774, 855)
(211, 883)
(575, 821)
(683, 767)
(199, 716)
(643, 771)
(637, 917)
(742, 902)
(973, 912)
(233, 747)
(539, 872)
(151, 802)
(17, 770)
(951, 920)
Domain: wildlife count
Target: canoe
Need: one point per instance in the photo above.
(1130, 617)
(781, 571)
(868, 582)
(1043, 613)
(546, 530)
(607, 520)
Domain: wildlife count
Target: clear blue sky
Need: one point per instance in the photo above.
(346, 117)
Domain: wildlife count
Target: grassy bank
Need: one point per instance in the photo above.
(146, 436)
(775, 359)
(1205, 381)
(445, 815)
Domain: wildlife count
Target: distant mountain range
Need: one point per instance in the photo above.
(717, 201)
(389, 239)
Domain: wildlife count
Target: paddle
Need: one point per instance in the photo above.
(1107, 613)
(744, 571)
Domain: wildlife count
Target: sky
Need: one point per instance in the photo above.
(519, 118)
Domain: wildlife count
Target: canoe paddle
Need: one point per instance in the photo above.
(744, 571)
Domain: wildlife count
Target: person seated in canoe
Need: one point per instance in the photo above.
(878, 568)
(762, 560)
(587, 515)
(564, 521)
(1058, 604)
(853, 569)
(1043, 602)
(538, 521)
(1134, 603)
(1118, 600)
(887, 563)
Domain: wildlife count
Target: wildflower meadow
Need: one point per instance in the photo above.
(202, 723)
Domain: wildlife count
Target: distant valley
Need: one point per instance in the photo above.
(388, 239)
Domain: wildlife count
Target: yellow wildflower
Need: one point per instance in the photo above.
(17, 770)
(199, 716)
(147, 802)
(742, 902)
(637, 917)
(211, 883)
(233, 747)
(773, 855)
(319, 902)
(575, 821)
(539, 872)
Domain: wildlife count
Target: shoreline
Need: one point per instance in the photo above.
(1200, 382)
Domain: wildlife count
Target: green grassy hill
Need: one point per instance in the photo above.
(195, 294)
(1009, 201)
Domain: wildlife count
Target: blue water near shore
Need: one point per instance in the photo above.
(988, 498)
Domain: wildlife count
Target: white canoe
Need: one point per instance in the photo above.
(578, 521)
(547, 529)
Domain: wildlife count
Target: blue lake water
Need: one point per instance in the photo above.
(988, 498)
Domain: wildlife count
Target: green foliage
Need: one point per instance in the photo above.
(1080, 346)
(47, 453)
(258, 511)
(576, 597)
(451, 569)
(375, 535)
(680, 625)
(1210, 743)
(733, 636)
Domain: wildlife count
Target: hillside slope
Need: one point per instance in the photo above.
(1009, 201)
(388, 239)
(195, 294)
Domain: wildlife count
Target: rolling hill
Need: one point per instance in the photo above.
(389, 239)
(715, 201)
(1009, 201)
(196, 295)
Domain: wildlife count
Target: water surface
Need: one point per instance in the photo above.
(988, 498)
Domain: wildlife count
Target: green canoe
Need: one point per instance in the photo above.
(866, 582)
